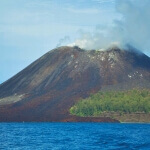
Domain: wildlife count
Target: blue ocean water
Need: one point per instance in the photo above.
(74, 136)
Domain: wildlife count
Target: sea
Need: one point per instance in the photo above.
(74, 136)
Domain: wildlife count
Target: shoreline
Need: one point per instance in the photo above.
(138, 117)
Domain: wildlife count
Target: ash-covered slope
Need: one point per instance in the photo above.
(45, 90)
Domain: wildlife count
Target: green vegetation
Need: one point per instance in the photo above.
(131, 101)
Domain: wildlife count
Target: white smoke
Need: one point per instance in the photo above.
(63, 41)
(133, 28)
(97, 39)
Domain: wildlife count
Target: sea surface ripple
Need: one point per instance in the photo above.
(74, 136)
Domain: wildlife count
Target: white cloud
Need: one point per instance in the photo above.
(84, 11)
(104, 1)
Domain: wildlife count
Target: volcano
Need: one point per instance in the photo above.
(46, 89)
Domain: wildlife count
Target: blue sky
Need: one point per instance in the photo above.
(30, 28)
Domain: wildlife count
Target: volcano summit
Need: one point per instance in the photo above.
(46, 89)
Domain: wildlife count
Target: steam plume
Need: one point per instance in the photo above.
(133, 28)
(63, 40)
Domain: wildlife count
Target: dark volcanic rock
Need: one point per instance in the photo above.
(46, 89)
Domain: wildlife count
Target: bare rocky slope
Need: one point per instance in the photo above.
(46, 89)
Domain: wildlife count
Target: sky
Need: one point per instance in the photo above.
(30, 28)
